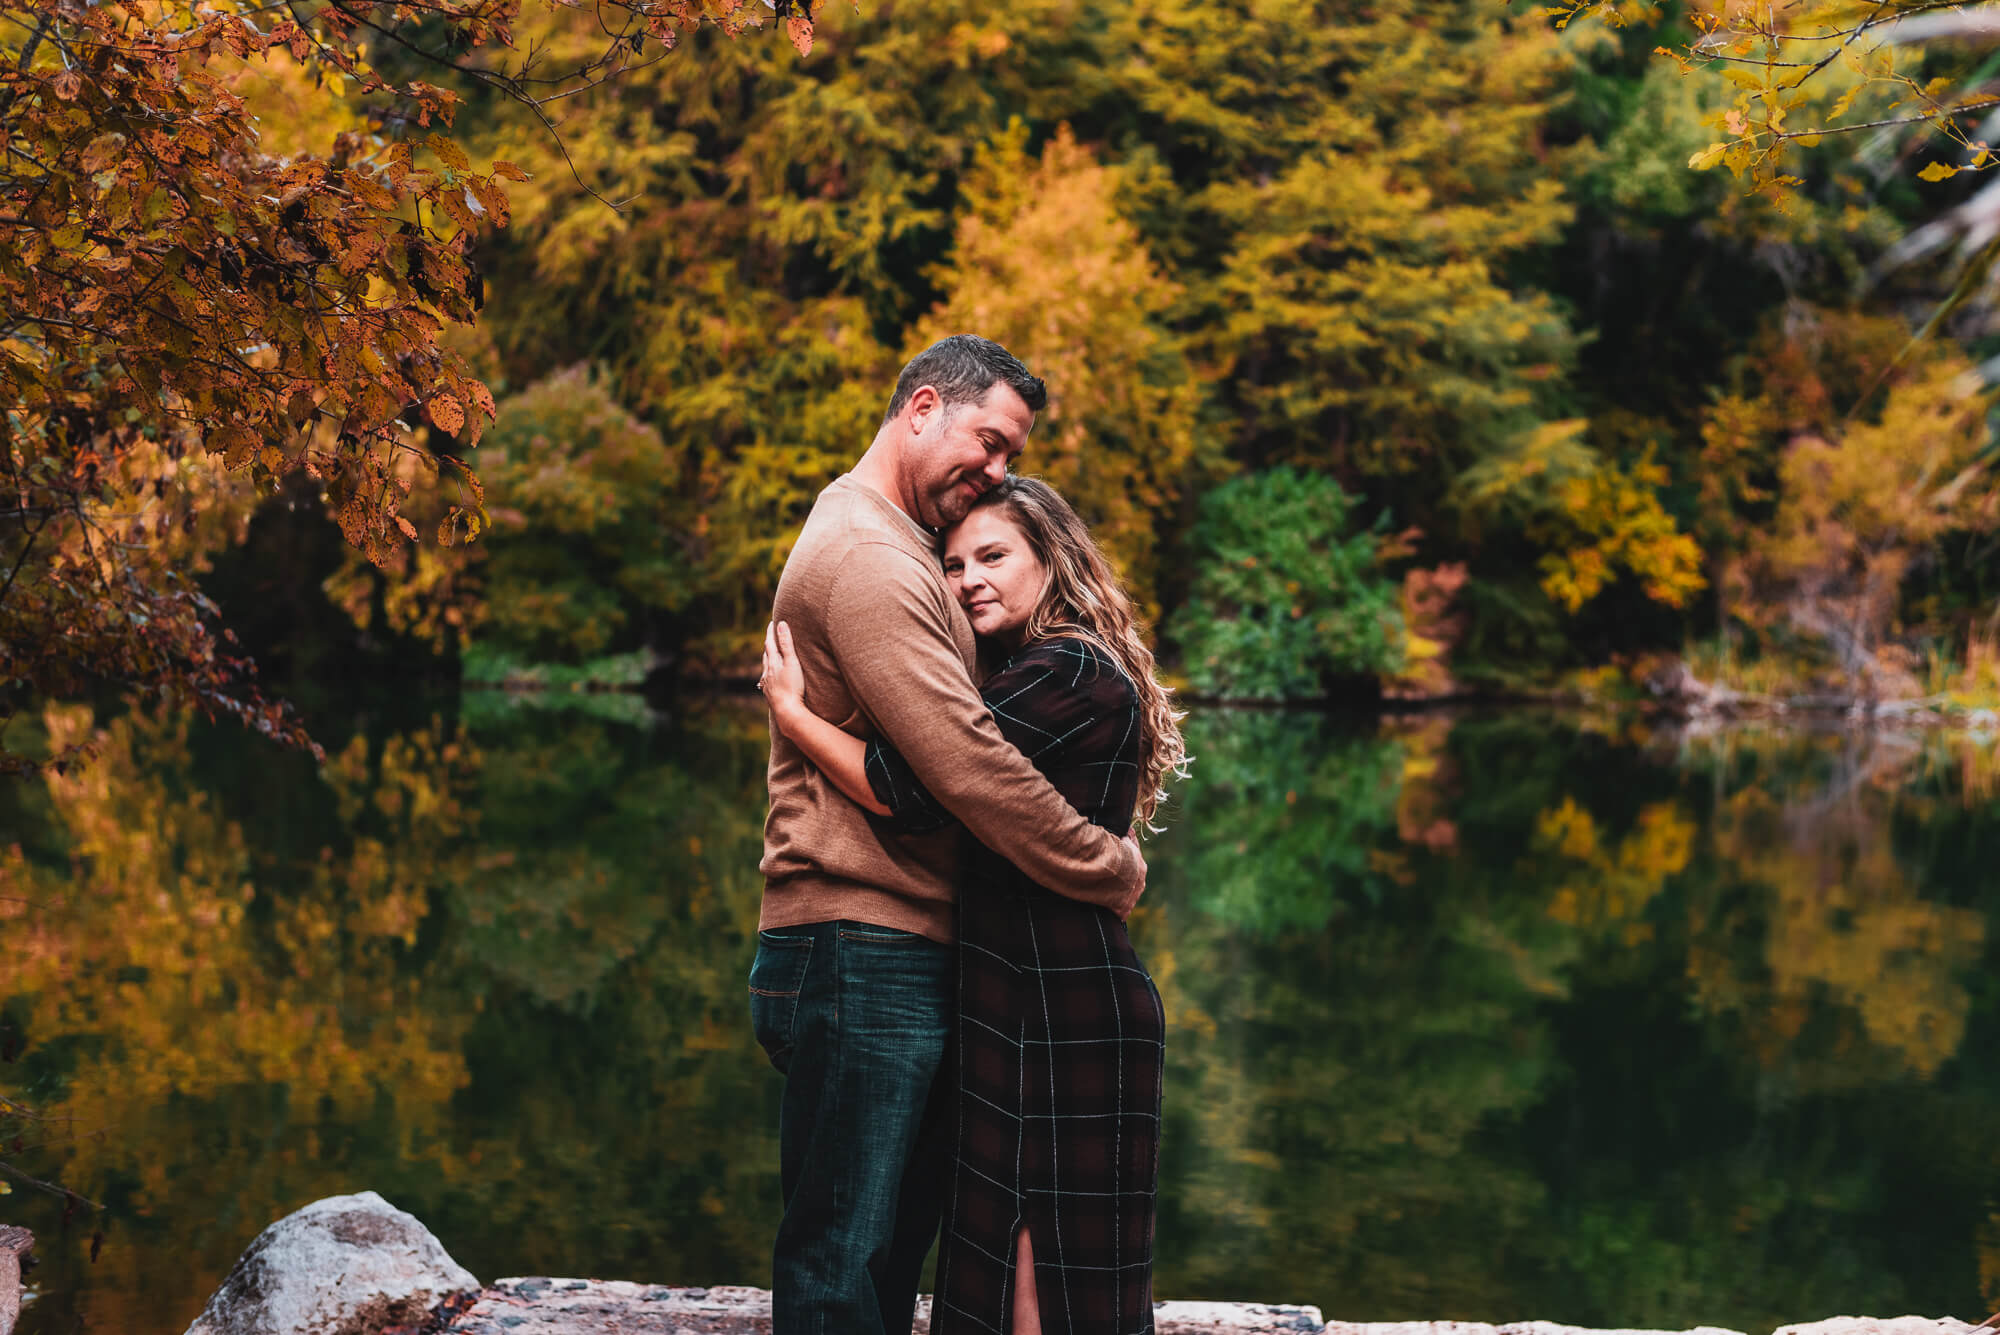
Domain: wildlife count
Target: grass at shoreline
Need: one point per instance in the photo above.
(497, 684)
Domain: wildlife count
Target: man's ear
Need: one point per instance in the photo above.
(922, 409)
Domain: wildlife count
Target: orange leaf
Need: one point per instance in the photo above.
(449, 153)
(445, 413)
(800, 30)
(370, 192)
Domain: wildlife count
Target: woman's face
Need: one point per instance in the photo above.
(993, 569)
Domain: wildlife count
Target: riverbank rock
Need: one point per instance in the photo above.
(1511, 1328)
(543, 1306)
(14, 1244)
(603, 1307)
(1878, 1325)
(346, 1265)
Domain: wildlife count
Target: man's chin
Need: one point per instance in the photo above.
(948, 509)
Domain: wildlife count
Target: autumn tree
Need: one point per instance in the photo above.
(1044, 262)
(172, 283)
(753, 297)
(1859, 512)
(1353, 205)
(1299, 240)
(1843, 465)
(1344, 194)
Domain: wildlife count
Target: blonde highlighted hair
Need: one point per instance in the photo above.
(1082, 598)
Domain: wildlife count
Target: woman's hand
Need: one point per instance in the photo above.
(784, 680)
(841, 757)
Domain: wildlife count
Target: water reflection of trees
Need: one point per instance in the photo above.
(1575, 1059)
(504, 964)
(1498, 1019)
(1864, 960)
(173, 997)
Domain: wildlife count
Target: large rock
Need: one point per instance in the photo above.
(347, 1265)
(14, 1244)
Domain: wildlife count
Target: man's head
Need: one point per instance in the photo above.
(962, 410)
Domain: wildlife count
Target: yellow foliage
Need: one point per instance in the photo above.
(1734, 432)
(1859, 507)
(1614, 519)
(299, 108)
(1376, 170)
(1609, 888)
(1044, 263)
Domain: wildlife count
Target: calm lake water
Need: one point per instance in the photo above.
(1499, 1017)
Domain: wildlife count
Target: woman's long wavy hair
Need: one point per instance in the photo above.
(1082, 598)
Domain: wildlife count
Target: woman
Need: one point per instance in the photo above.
(1061, 1037)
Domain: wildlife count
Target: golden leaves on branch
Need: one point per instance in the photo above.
(1800, 72)
(168, 274)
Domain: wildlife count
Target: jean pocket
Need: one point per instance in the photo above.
(881, 936)
(777, 976)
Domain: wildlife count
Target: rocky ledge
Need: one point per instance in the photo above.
(543, 1306)
(356, 1265)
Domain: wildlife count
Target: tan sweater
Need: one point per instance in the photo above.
(887, 652)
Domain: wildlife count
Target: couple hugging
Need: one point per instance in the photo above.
(965, 725)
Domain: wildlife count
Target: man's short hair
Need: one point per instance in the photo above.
(962, 369)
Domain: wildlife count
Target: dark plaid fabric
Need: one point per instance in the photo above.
(1061, 1035)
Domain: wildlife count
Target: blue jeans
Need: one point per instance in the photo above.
(857, 1018)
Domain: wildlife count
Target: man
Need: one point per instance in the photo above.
(852, 988)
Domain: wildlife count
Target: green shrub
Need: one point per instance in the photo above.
(1284, 597)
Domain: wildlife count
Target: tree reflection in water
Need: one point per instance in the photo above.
(1503, 1018)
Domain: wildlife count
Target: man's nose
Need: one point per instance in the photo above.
(996, 470)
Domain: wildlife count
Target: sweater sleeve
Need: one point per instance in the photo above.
(912, 809)
(1031, 699)
(889, 629)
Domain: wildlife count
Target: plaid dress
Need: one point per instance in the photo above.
(1061, 1034)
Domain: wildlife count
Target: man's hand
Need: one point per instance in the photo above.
(1125, 909)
